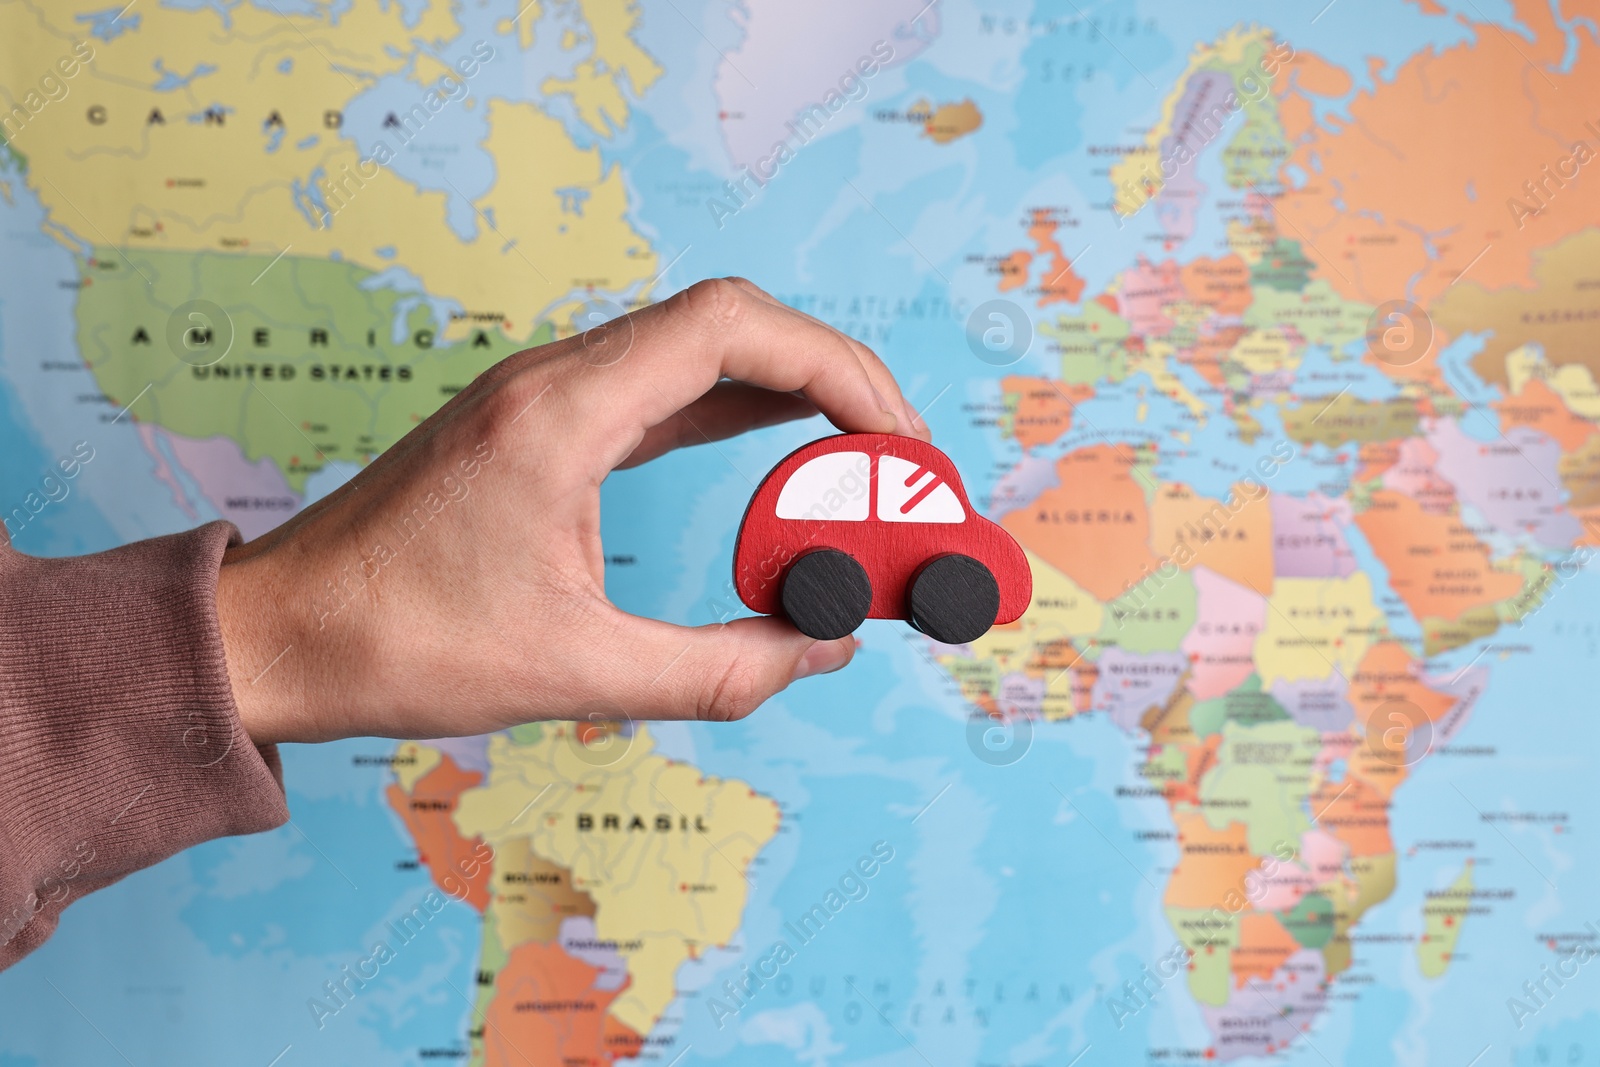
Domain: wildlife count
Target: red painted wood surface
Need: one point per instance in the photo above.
(891, 551)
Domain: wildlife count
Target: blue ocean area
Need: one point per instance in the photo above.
(1013, 897)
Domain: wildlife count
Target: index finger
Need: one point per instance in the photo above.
(713, 330)
(878, 371)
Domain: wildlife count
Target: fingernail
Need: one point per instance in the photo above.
(911, 417)
(883, 405)
(824, 657)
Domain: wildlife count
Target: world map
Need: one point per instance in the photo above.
(1267, 332)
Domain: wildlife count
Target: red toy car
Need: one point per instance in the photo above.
(876, 526)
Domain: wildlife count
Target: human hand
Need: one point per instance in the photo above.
(456, 585)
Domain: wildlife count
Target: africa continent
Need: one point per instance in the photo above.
(1266, 651)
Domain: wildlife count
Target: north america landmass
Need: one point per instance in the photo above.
(1270, 655)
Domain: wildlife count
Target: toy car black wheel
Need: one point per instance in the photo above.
(826, 594)
(954, 599)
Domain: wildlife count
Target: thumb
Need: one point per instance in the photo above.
(716, 673)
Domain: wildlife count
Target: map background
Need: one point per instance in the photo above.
(193, 961)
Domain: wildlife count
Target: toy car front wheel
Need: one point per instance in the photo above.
(826, 594)
(954, 599)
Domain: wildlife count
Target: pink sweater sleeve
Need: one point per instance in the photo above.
(119, 740)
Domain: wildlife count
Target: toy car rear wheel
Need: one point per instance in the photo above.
(826, 594)
(954, 599)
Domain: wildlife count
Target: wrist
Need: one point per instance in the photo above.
(265, 656)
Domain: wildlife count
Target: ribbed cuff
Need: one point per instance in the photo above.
(120, 743)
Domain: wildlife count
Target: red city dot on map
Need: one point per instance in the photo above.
(1449, 920)
(682, 888)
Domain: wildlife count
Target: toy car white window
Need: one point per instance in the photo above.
(909, 492)
(833, 486)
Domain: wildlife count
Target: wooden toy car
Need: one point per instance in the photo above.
(876, 526)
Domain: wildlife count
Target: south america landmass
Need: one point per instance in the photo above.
(611, 867)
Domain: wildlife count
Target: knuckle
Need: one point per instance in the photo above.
(719, 302)
(737, 692)
(745, 284)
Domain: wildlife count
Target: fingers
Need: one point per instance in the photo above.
(715, 673)
(716, 330)
(729, 409)
(882, 378)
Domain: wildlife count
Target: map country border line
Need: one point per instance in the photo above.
(98, 230)
(714, 846)
(483, 1017)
